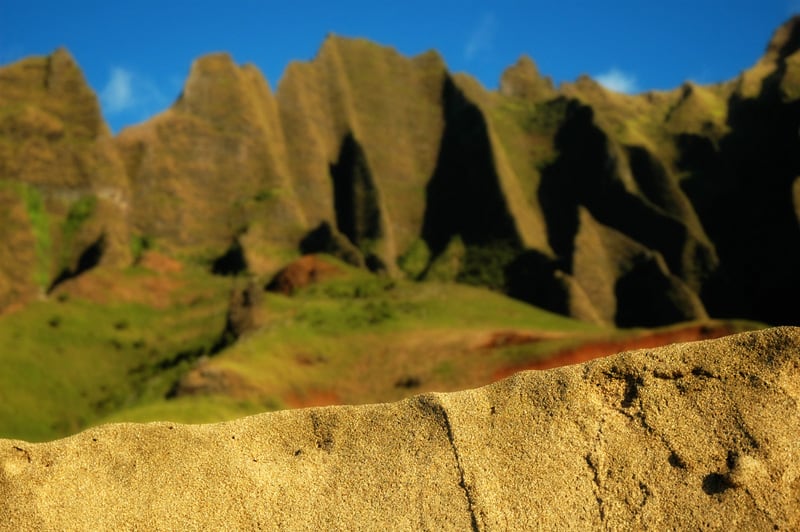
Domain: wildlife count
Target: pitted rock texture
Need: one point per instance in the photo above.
(700, 435)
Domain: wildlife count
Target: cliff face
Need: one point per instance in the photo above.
(698, 435)
(633, 210)
(63, 190)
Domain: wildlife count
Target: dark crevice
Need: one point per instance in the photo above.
(322, 427)
(408, 383)
(89, 259)
(326, 239)
(431, 404)
(632, 385)
(534, 277)
(671, 375)
(597, 488)
(740, 187)
(701, 372)
(464, 196)
(676, 461)
(715, 483)
(231, 263)
(648, 296)
(584, 157)
(187, 355)
(240, 317)
(355, 195)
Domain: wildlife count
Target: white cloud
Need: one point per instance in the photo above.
(618, 81)
(480, 40)
(117, 95)
(127, 91)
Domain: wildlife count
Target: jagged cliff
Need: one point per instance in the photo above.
(631, 210)
(64, 193)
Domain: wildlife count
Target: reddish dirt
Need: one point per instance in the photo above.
(303, 272)
(312, 398)
(159, 263)
(602, 348)
(509, 338)
(104, 287)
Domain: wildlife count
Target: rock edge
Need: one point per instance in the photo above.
(698, 435)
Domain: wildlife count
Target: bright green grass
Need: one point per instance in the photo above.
(200, 409)
(353, 334)
(67, 363)
(41, 232)
(70, 364)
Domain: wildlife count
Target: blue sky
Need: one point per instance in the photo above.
(137, 54)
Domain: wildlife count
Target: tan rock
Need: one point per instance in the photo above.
(699, 435)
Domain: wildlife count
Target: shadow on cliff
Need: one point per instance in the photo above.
(464, 197)
(742, 191)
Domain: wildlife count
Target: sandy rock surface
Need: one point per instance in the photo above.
(697, 435)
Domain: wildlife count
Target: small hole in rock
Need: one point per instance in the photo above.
(715, 483)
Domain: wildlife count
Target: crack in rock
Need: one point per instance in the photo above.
(433, 405)
(597, 487)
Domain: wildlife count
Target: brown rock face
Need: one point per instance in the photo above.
(524, 81)
(62, 186)
(699, 435)
(631, 210)
(303, 272)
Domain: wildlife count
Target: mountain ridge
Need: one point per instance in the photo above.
(397, 156)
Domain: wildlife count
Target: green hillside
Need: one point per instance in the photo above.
(359, 233)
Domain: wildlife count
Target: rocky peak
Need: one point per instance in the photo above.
(523, 80)
(785, 41)
(55, 88)
(220, 91)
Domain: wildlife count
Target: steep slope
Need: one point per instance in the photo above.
(358, 96)
(743, 189)
(699, 435)
(617, 209)
(63, 190)
(211, 172)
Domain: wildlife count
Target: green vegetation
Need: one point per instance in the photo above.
(41, 231)
(69, 361)
(447, 265)
(139, 244)
(199, 409)
(361, 338)
(416, 258)
(485, 265)
(233, 167)
(79, 213)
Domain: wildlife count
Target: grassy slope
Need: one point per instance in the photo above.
(110, 347)
(69, 361)
(361, 339)
(365, 339)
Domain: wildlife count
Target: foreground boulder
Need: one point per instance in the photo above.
(697, 435)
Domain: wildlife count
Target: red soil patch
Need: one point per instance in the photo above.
(159, 263)
(509, 338)
(312, 398)
(602, 348)
(303, 272)
(107, 287)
